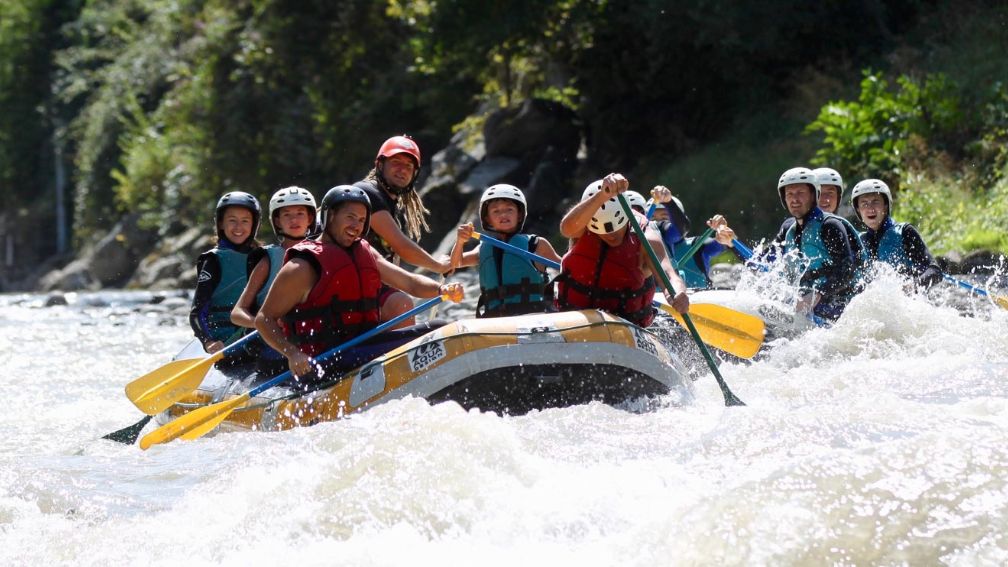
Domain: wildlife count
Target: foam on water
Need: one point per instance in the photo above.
(879, 440)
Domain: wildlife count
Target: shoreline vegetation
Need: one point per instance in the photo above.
(121, 122)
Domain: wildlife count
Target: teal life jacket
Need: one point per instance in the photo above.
(813, 253)
(234, 276)
(510, 284)
(275, 255)
(890, 247)
(691, 271)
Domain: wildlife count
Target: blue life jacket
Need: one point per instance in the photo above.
(691, 271)
(234, 276)
(510, 284)
(275, 256)
(814, 254)
(890, 248)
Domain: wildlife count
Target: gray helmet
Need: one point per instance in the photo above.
(796, 176)
(829, 176)
(292, 197)
(237, 199)
(502, 191)
(340, 194)
(635, 199)
(870, 186)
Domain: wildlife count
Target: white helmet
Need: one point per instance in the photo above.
(828, 176)
(290, 197)
(636, 200)
(870, 186)
(794, 176)
(609, 217)
(503, 191)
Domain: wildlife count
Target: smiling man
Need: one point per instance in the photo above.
(817, 245)
(327, 291)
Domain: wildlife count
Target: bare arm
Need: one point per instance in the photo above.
(545, 249)
(413, 284)
(291, 287)
(383, 224)
(576, 220)
(242, 315)
(460, 259)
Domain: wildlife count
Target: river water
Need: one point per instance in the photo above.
(878, 441)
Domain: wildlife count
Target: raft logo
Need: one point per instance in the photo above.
(644, 342)
(426, 354)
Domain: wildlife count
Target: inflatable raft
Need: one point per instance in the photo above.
(507, 365)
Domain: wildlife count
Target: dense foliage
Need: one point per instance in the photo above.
(161, 105)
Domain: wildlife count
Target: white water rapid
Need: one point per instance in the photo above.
(881, 440)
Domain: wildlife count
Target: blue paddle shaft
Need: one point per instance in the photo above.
(353, 342)
(515, 250)
(965, 285)
(230, 349)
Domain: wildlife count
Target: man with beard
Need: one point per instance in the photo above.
(816, 246)
(327, 291)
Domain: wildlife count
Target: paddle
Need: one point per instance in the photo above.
(156, 391)
(729, 398)
(199, 422)
(1001, 300)
(734, 332)
(128, 435)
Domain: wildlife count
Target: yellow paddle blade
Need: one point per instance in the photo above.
(734, 332)
(194, 424)
(1001, 300)
(156, 391)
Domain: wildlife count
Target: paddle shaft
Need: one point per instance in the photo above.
(531, 256)
(353, 342)
(551, 264)
(729, 398)
(967, 285)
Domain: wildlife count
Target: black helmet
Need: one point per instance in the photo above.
(238, 199)
(340, 194)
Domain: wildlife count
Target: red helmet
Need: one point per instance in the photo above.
(399, 145)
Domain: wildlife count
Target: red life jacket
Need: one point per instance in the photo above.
(344, 302)
(596, 275)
